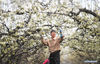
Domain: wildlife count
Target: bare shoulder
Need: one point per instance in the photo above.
(57, 38)
(49, 40)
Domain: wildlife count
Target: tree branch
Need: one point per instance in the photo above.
(90, 12)
(6, 27)
(86, 11)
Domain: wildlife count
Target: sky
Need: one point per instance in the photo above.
(89, 4)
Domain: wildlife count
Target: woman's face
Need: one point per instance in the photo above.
(53, 34)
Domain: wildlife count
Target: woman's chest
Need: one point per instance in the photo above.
(53, 43)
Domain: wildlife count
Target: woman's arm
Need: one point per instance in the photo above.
(60, 39)
(44, 41)
(61, 36)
